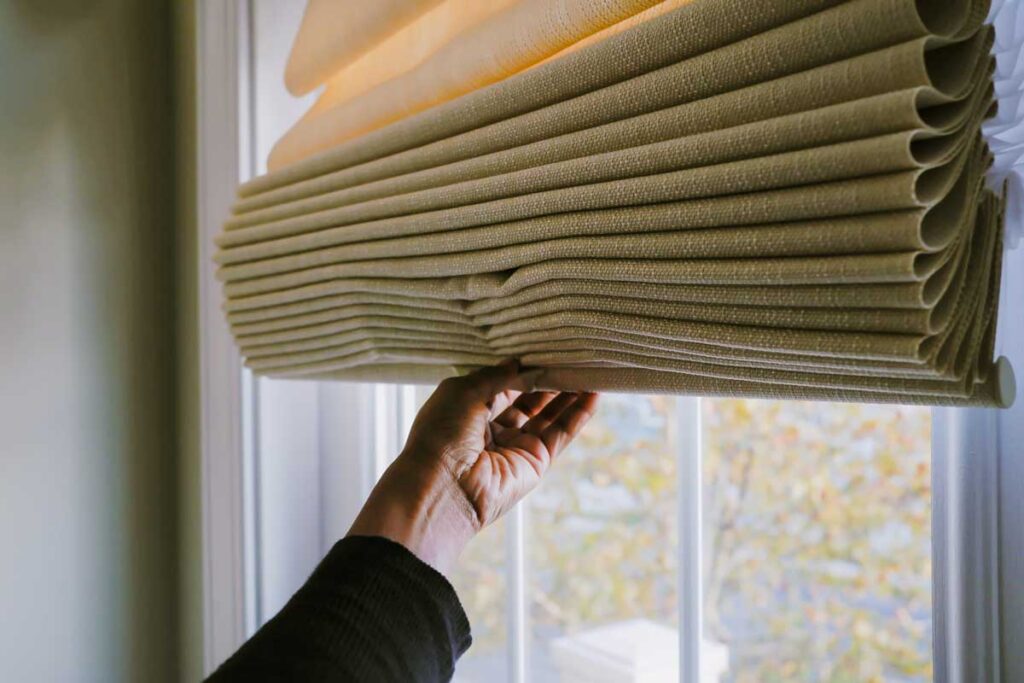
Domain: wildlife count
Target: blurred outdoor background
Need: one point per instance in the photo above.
(817, 551)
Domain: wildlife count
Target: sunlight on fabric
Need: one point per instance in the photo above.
(460, 46)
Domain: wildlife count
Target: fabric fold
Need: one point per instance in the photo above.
(660, 199)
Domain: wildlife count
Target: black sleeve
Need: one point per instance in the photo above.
(371, 611)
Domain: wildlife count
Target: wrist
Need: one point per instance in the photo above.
(423, 509)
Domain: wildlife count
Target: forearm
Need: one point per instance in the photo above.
(371, 611)
(374, 610)
(419, 505)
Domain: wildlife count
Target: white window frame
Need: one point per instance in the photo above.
(978, 547)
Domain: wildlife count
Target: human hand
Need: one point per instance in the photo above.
(492, 440)
(479, 444)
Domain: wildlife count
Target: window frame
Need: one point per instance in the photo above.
(973, 554)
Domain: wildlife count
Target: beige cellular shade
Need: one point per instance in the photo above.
(660, 198)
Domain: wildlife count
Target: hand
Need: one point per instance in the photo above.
(492, 440)
(476, 448)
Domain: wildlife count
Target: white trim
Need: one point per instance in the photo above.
(251, 553)
(222, 444)
(965, 545)
(346, 455)
(691, 552)
(516, 593)
(387, 425)
(291, 518)
(408, 406)
(251, 504)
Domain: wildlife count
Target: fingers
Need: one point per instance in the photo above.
(523, 408)
(485, 384)
(539, 422)
(503, 400)
(561, 420)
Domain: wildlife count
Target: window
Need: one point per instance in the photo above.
(816, 562)
(815, 518)
(678, 539)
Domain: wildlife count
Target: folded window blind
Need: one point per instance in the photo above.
(716, 197)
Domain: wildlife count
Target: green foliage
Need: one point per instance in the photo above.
(818, 521)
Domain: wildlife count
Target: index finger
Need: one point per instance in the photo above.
(483, 385)
(557, 434)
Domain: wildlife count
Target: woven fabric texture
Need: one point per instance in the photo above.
(789, 206)
(467, 55)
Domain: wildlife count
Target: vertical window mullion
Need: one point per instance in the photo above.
(251, 503)
(690, 534)
(368, 450)
(385, 427)
(965, 551)
(247, 168)
(406, 412)
(348, 453)
(515, 553)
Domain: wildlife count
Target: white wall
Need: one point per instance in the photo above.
(87, 406)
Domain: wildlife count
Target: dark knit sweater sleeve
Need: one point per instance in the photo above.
(371, 611)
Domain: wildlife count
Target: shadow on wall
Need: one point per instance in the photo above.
(87, 404)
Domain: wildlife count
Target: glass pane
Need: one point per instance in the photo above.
(601, 540)
(817, 533)
(480, 581)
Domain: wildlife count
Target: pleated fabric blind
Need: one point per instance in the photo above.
(716, 197)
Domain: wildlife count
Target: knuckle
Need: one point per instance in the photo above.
(449, 383)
